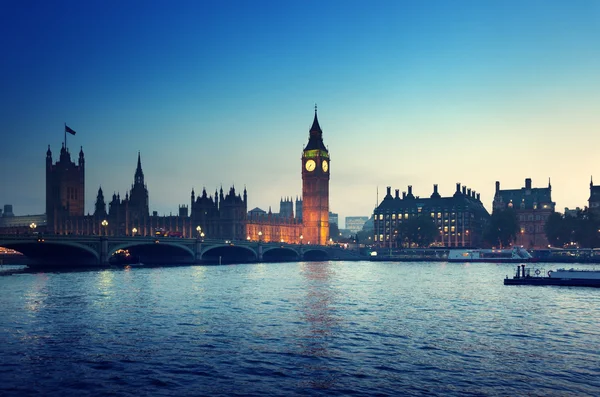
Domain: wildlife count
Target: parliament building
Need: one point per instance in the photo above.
(222, 216)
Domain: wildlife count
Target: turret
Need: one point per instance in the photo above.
(81, 157)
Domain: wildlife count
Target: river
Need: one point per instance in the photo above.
(297, 329)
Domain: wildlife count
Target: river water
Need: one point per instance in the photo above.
(308, 328)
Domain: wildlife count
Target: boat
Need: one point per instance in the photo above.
(511, 255)
(123, 257)
(566, 277)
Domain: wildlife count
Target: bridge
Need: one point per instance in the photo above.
(75, 250)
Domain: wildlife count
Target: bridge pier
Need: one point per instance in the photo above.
(103, 251)
(260, 252)
(198, 251)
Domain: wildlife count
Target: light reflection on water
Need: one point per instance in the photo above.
(307, 328)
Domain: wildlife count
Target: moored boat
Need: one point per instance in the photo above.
(566, 277)
(511, 255)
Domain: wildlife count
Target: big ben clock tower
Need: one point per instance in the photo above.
(315, 187)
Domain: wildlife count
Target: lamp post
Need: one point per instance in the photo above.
(104, 225)
(259, 236)
(32, 227)
(198, 230)
(301, 238)
(133, 231)
(202, 236)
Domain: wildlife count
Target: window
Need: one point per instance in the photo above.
(380, 217)
(393, 216)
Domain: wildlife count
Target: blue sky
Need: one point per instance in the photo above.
(222, 92)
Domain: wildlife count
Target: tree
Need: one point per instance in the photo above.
(417, 230)
(558, 230)
(334, 231)
(502, 229)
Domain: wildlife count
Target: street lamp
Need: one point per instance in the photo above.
(134, 231)
(32, 227)
(105, 224)
(248, 238)
(202, 235)
(259, 236)
(301, 238)
(198, 230)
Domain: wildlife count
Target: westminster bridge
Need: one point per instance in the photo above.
(73, 250)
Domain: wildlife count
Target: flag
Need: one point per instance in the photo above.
(69, 130)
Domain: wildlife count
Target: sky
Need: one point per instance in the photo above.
(222, 93)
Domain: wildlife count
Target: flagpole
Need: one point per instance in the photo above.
(65, 136)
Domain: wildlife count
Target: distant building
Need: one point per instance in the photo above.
(8, 211)
(460, 218)
(355, 223)
(572, 213)
(533, 207)
(334, 218)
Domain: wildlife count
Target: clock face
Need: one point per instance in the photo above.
(325, 165)
(310, 165)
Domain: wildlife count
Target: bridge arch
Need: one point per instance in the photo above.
(280, 253)
(228, 253)
(153, 252)
(315, 254)
(54, 252)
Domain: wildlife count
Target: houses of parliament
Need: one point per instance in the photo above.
(223, 215)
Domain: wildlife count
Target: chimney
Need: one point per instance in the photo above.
(497, 186)
(397, 193)
(469, 192)
(403, 195)
(473, 194)
(464, 190)
(409, 190)
(478, 196)
(458, 187)
(389, 191)
(435, 189)
(528, 183)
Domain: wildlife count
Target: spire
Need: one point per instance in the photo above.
(549, 185)
(591, 179)
(139, 174)
(316, 128)
(315, 140)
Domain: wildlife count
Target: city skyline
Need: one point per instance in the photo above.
(213, 94)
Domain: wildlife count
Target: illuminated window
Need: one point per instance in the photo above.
(381, 237)
(405, 216)
(439, 215)
(452, 228)
(393, 216)
(433, 215)
(510, 205)
(380, 217)
(446, 229)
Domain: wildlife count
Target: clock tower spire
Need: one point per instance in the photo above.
(315, 187)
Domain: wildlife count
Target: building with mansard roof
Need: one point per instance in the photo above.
(460, 218)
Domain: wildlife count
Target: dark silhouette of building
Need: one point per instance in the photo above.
(533, 206)
(460, 218)
(65, 188)
(594, 200)
(221, 217)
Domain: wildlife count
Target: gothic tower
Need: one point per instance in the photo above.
(138, 197)
(315, 187)
(65, 188)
